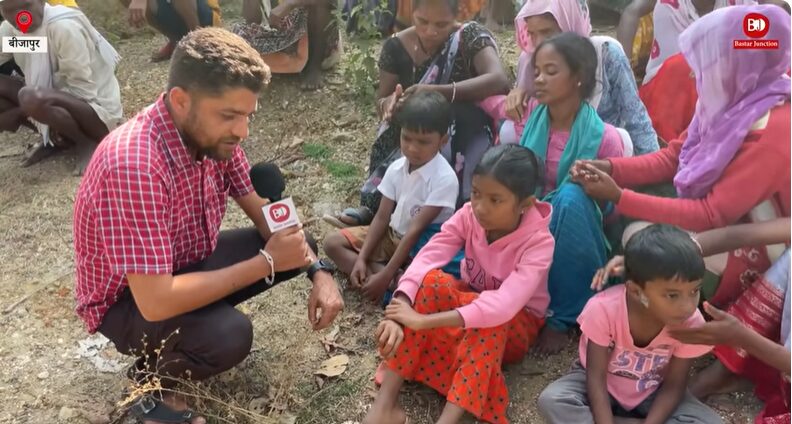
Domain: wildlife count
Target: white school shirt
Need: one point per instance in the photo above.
(434, 184)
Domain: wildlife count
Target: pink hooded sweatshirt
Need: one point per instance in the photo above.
(510, 274)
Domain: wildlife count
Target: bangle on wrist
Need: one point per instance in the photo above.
(453, 91)
(271, 279)
(696, 242)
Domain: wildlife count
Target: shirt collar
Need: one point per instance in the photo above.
(171, 138)
(428, 170)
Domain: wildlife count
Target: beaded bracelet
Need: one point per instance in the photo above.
(271, 279)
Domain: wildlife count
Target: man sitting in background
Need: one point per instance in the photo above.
(173, 19)
(70, 94)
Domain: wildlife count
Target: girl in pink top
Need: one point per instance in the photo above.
(630, 367)
(454, 335)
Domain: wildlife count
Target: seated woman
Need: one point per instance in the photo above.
(732, 165)
(615, 97)
(457, 60)
(667, 73)
(563, 127)
(296, 36)
(757, 324)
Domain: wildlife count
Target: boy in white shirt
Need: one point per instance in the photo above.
(418, 190)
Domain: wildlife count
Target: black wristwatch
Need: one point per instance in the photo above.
(320, 265)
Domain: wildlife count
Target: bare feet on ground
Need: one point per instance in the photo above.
(84, 154)
(717, 379)
(312, 80)
(164, 53)
(550, 342)
(380, 415)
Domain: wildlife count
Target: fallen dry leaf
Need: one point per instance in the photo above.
(334, 366)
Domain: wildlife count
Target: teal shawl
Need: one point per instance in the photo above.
(584, 140)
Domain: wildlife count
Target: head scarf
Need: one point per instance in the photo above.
(571, 16)
(671, 18)
(736, 88)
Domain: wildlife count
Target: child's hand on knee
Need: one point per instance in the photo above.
(389, 336)
(403, 313)
(359, 274)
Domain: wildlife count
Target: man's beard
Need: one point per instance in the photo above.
(189, 135)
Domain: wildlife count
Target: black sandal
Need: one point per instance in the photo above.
(148, 407)
(361, 216)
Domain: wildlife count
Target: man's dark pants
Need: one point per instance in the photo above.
(198, 344)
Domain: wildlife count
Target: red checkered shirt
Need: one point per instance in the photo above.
(145, 206)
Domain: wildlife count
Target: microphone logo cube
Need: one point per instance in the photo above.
(280, 215)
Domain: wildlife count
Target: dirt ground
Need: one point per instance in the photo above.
(53, 371)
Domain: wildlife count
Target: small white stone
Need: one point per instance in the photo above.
(43, 375)
(66, 414)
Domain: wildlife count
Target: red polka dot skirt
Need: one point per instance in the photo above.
(463, 364)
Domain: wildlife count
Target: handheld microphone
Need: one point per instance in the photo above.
(268, 181)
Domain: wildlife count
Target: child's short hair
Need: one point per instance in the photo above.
(425, 111)
(514, 166)
(662, 251)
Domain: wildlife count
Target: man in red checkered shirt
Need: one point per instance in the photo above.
(154, 272)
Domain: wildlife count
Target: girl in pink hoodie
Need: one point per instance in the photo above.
(454, 335)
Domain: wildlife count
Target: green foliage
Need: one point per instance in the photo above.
(339, 170)
(360, 70)
(316, 151)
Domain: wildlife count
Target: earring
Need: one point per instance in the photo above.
(644, 300)
(579, 84)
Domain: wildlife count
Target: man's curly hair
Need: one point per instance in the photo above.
(212, 60)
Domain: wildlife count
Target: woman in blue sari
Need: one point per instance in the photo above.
(459, 60)
(562, 128)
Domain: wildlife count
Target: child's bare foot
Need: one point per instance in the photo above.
(384, 415)
(717, 379)
(550, 342)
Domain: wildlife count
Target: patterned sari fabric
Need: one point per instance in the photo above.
(463, 364)
(285, 49)
(764, 307)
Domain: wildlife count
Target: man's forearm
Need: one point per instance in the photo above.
(188, 292)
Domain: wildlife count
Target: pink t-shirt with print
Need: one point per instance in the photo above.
(634, 373)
